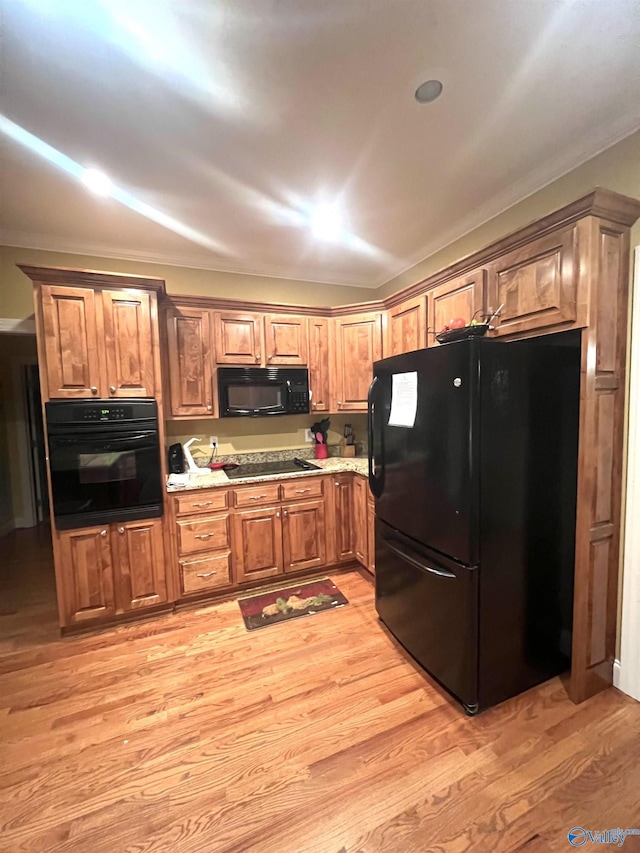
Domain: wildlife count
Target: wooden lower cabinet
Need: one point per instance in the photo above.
(342, 526)
(140, 569)
(110, 570)
(360, 541)
(201, 574)
(85, 575)
(258, 543)
(304, 535)
(371, 534)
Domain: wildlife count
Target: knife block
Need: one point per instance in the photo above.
(348, 450)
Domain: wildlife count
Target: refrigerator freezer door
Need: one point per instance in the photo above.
(431, 606)
(423, 475)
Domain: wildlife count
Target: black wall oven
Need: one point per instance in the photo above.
(105, 462)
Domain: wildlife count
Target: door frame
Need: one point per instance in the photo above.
(29, 516)
(626, 671)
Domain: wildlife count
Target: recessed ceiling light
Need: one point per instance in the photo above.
(97, 181)
(428, 91)
(326, 222)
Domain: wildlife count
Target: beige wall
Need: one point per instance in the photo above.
(252, 435)
(15, 349)
(617, 168)
(16, 290)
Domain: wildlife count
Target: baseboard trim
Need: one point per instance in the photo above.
(617, 674)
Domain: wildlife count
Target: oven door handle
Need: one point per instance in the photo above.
(102, 439)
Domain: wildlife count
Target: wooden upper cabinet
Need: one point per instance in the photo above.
(358, 345)
(140, 572)
(128, 344)
(406, 328)
(85, 573)
(238, 337)
(536, 284)
(460, 297)
(258, 543)
(190, 361)
(319, 364)
(286, 339)
(70, 341)
(304, 535)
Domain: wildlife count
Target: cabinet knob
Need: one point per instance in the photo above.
(270, 356)
(94, 390)
(112, 389)
(121, 530)
(103, 533)
(257, 356)
(284, 512)
(339, 402)
(336, 484)
(277, 515)
(209, 407)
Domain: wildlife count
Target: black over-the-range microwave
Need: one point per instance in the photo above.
(259, 391)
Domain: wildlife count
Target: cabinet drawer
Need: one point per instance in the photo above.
(208, 502)
(258, 495)
(206, 573)
(205, 534)
(308, 487)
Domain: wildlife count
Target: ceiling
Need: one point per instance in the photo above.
(222, 122)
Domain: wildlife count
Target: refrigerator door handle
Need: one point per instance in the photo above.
(372, 477)
(399, 551)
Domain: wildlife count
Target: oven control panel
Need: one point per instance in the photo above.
(106, 413)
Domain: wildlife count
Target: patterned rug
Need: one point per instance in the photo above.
(290, 602)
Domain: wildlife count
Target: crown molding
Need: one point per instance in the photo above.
(48, 243)
(530, 184)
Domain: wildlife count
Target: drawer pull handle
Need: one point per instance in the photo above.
(302, 491)
(203, 535)
(205, 574)
(204, 503)
(194, 562)
(257, 497)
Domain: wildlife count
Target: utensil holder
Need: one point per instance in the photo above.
(322, 451)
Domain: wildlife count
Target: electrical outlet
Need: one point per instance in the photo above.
(308, 435)
(213, 441)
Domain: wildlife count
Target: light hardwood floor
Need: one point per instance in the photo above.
(187, 734)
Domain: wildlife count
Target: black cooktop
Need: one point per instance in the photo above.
(266, 469)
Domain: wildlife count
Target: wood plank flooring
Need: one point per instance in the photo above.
(187, 734)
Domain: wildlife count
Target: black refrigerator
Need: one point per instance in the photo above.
(473, 449)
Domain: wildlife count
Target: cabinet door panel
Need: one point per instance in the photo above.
(319, 364)
(343, 518)
(371, 535)
(128, 344)
(536, 285)
(258, 543)
(70, 341)
(238, 338)
(190, 362)
(286, 339)
(460, 297)
(358, 345)
(141, 576)
(406, 327)
(303, 535)
(87, 574)
(360, 544)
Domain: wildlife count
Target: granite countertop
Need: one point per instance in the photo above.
(217, 479)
